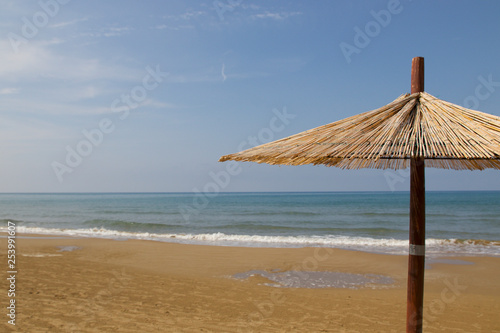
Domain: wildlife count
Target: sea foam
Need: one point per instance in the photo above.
(434, 248)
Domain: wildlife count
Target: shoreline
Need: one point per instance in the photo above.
(436, 248)
(103, 285)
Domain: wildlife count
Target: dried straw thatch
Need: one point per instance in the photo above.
(419, 125)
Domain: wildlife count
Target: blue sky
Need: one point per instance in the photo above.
(147, 95)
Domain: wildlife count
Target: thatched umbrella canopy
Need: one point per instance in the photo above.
(446, 135)
(413, 131)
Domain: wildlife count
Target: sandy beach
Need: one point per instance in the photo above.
(101, 285)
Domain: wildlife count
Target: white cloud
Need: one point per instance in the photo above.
(190, 15)
(68, 23)
(9, 91)
(158, 105)
(184, 20)
(54, 107)
(250, 6)
(32, 58)
(279, 16)
(187, 16)
(224, 76)
(106, 32)
(53, 41)
(116, 31)
(37, 60)
(78, 103)
(89, 92)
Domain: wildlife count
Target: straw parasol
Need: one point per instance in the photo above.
(415, 130)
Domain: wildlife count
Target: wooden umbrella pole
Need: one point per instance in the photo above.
(416, 258)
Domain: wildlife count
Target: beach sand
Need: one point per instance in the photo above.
(100, 285)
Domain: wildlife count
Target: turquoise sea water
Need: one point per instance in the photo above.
(457, 222)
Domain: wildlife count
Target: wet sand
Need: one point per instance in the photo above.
(100, 285)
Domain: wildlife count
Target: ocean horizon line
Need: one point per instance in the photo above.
(255, 192)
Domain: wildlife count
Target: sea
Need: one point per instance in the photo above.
(457, 223)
